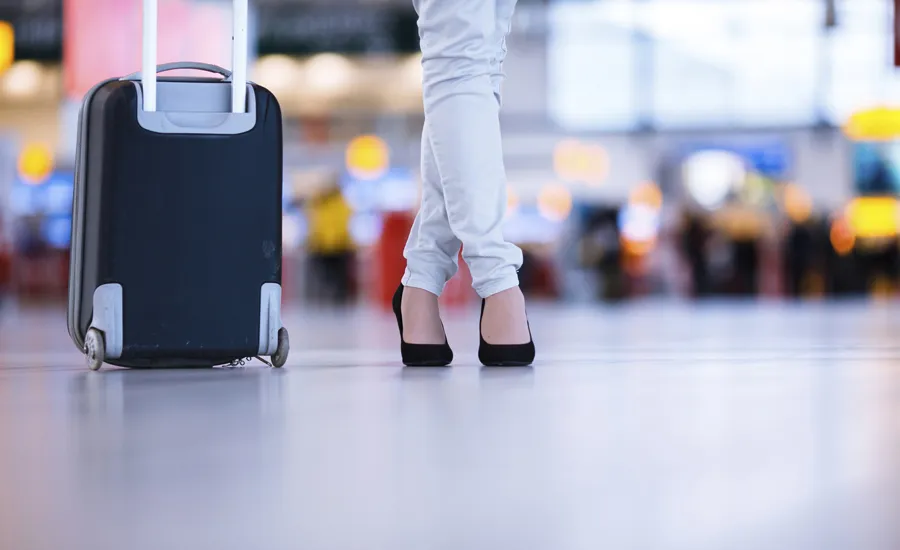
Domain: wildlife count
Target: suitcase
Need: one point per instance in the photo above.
(177, 216)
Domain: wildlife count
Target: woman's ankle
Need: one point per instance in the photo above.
(504, 321)
(421, 317)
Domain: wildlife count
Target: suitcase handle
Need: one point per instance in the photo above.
(178, 65)
(238, 57)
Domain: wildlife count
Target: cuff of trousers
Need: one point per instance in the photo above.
(498, 285)
(417, 281)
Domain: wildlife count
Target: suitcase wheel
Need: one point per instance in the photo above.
(279, 358)
(95, 348)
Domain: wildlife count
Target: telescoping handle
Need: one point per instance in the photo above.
(238, 56)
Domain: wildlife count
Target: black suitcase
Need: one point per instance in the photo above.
(177, 217)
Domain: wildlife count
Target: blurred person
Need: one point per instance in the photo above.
(602, 252)
(463, 46)
(29, 238)
(879, 266)
(330, 245)
(536, 277)
(32, 275)
(799, 258)
(695, 240)
(746, 265)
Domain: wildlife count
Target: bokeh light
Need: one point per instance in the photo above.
(710, 176)
(797, 203)
(367, 157)
(277, 73)
(639, 219)
(23, 79)
(578, 162)
(873, 217)
(329, 74)
(879, 124)
(555, 202)
(7, 45)
(648, 194)
(35, 163)
(841, 235)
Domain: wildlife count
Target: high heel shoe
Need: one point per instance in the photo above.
(420, 355)
(505, 355)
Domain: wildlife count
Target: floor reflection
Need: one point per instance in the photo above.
(721, 428)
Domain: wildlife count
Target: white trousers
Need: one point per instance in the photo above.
(463, 178)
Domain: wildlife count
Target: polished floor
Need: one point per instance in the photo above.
(653, 426)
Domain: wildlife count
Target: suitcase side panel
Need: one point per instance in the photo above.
(189, 225)
(78, 219)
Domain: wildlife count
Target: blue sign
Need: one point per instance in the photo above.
(50, 198)
(771, 159)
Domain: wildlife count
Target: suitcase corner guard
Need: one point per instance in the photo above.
(108, 317)
(269, 318)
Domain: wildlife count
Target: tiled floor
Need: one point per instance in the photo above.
(654, 426)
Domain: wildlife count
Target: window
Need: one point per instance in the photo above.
(717, 63)
(740, 63)
(591, 61)
(861, 73)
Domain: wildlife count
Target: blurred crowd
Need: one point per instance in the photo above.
(695, 255)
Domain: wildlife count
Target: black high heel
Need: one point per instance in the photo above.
(420, 355)
(505, 355)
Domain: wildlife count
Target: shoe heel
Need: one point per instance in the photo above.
(512, 355)
(419, 355)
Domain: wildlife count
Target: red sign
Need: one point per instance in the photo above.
(102, 38)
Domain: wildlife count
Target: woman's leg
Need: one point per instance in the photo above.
(504, 320)
(459, 46)
(463, 45)
(432, 249)
(431, 253)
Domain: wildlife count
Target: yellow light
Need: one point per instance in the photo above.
(797, 203)
(555, 202)
(7, 45)
(872, 217)
(842, 238)
(367, 157)
(647, 194)
(575, 161)
(879, 124)
(35, 163)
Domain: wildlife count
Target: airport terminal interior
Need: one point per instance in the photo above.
(707, 197)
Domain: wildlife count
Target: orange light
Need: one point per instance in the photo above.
(367, 157)
(574, 161)
(638, 248)
(7, 45)
(555, 202)
(647, 194)
(873, 217)
(35, 163)
(797, 203)
(842, 238)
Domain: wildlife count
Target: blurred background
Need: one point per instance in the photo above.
(682, 148)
